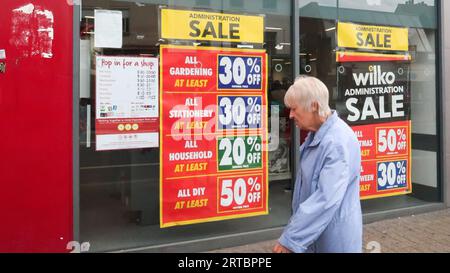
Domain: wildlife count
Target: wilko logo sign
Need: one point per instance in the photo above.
(374, 92)
(374, 77)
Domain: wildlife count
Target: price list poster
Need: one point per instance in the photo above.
(375, 100)
(213, 134)
(127, 114)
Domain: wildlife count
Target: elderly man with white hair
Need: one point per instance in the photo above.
(326, 206)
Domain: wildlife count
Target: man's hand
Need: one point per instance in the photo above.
(279, 248)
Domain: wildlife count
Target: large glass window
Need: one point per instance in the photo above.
(318, 45)
(119, 189)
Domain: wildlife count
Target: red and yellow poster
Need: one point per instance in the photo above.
(374, 99)
(213, 134)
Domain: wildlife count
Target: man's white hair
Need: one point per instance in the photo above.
(305, 91)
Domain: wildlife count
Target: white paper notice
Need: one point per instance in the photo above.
(2, 54)
(127, 112)
(108, 28)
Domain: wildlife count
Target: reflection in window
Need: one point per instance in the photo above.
(317, 44)
(119, 190)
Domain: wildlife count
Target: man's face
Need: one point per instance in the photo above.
(303, 119)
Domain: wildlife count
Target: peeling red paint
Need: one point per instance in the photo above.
(32, 30)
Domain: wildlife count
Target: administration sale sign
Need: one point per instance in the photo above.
(213, 134)
(374, 99)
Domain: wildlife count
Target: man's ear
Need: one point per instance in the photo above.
(314, 106)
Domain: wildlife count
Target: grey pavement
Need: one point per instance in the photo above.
(423, 233)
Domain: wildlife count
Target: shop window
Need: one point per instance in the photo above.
(318, 46)
(119, 182)
(268, 4)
